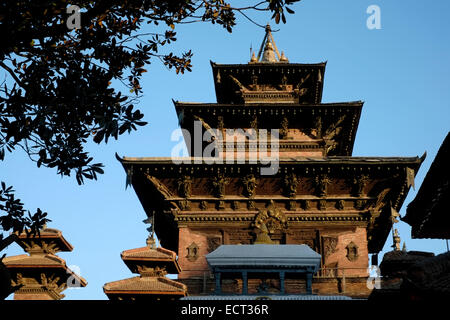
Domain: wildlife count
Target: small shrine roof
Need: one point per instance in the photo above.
(37, 262)
(149, 253)
(145, 285)
(25, 260)
(46, 235)
(149, 257)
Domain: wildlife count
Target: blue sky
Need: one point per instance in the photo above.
(401, 71)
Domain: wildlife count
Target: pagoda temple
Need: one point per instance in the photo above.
(41, 274)
(273, 165)
(152, 264)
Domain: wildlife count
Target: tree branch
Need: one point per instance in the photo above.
(11, 72)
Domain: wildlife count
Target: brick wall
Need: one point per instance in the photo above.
(359, 266)
(192, 268)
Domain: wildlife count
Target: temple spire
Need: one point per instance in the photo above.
(268, 51)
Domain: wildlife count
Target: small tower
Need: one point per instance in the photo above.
(152, 264)
(41, 274)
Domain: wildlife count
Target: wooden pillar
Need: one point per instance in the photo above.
(244, 282)
(282, 282)
(218, 283)
(309, 282)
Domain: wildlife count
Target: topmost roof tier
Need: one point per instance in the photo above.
(268, 78)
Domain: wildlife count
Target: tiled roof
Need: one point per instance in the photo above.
(46, 235)
(149, 257)
(149, 253)
(34, 260)
(149, 285)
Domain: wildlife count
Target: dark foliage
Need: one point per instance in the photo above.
(57, 93)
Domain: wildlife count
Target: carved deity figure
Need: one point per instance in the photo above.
(249, 183)
(268, 222)
(218, 183)
(290, 183)
(321, 183)
(185, 186)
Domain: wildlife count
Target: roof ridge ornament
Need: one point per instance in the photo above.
(268, 51)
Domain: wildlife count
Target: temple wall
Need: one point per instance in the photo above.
(353, 266)
(192, 263)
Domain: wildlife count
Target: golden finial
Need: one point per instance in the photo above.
(396, 240)
(269, 50)
(283, 57)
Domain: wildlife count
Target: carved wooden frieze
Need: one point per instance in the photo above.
(184, 204)
(220, 205)
(235, 205)
(203, 205)
(360, 204)
(292, 205)
(49, 284)
(340, 204)
(322, 205)
(152, 272)
(41, 246)
(305, 204)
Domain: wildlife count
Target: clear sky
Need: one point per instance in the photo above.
(401, 71)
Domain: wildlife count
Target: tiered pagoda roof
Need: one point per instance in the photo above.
(304, 171)
(42, 274)
(152, 264)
